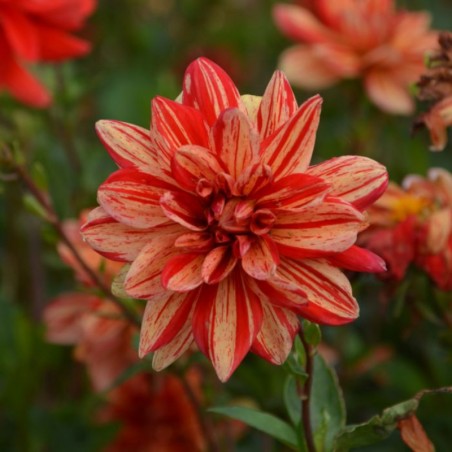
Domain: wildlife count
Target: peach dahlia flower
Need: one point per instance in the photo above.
(33, 31)
(229, 232)
(365, 39)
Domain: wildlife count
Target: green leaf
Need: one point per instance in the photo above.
(376, 429)
(292, 400)
(312, 333)
(327, 405)
(265, 422)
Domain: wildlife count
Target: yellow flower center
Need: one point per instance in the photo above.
(408, 205)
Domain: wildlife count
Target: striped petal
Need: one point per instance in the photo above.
(128, 145)
(192, 163)
(218, 264)
(163, 318)
(261, 259)
(177, 125)
(235, 141)
(226, 323)
(358, 180)
(289, 150)
(359, 260)
(133, 198)
(275, 338)
(291, 192)
(277, 106)
(117, 241)
(329, 227)
(184, 209)
(329, 294)
(183, 272)
(209, 89)
(144, 277)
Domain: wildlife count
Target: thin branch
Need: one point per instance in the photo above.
(305, 393)
(53, 219)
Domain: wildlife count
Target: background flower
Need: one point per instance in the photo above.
(33, 31)
(357, 39)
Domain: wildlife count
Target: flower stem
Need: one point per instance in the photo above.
(305, 393)
(53, 219)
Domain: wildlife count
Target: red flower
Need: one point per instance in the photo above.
(229, 232)
(365, 39)
(34, 31)
(413, 224)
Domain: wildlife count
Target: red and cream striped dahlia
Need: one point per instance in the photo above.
(230, 233)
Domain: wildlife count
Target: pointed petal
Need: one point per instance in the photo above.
(291, 192)
(183, 272)
(144, 279)
(359, 260)
(226, 323)
(261, 259)
(388, 93)
(129, 145)
(118, 241)
(358, 180)
(329, 294)
(277, 106)
(133, 198)
(218, 264)
(184, 209)
(235, 141)
(329, 227)
(289, 150)
(163, 318)
(209, 89)
(192, 163)
(275, 338)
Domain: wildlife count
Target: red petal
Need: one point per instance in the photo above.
(218, 264)
(277, 106)
(261, 259)
(183, 272)
(184, 209)
(276, 335)
(163, 318)
(289, 150)
(235, 141)
(209, 89)
(358, 180)
(226, 323)
(359, 260)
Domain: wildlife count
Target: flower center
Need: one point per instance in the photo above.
(408, 205)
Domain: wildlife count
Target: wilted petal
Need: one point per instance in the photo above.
(413, 434)
(209, 89)
(358, 180)
(275, 338)
(328, 291)
(277, 106)
(183, 272)
(329, 227)
(133, 198)
(289, 150)
(226, 323)
(163, 318)
(235, 141)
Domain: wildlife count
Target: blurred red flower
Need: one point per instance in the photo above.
(413, 223)
(229, 232)
(365, 39)
(33, 31)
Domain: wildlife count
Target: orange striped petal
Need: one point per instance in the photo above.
(329, 227)
(235, 141)
(183, 272)
(209, 89)
(277, 106)
(163, 318)
(133, 198)
(275, 338)
(358, 180)
(290, 149)
(226, 323)
(328, 291)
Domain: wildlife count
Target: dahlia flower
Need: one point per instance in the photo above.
(365, 39)
(229, 233)
(413, 224)
(33, 31)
